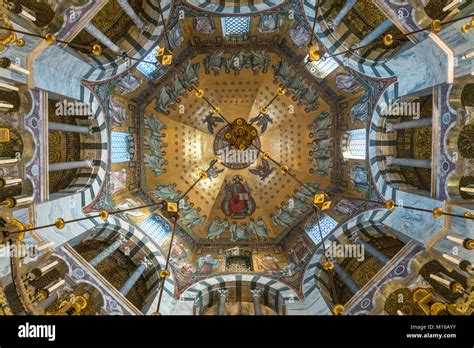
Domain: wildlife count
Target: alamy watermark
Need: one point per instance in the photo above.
(346, 250)
(21, 251)
(411, 109)
(73, 108)
(231, 156)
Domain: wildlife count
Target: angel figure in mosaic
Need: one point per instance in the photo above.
(263, 170)
(211, 121)
(262, 121)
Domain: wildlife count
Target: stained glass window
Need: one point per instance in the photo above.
(122, 148)
(322, 67)
(235, 25)
(326, 223)
(355, 144)
(146, 68)
(157, 228)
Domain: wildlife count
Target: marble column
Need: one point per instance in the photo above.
(91, 29)
(7, 160)
(131, 281)
(373, 251)
(222, 294)
(106, 253)
(422, 122)
(131, 13)
(346, 279)
(409, 162)
(381, 29)
(70, 165)
(256, 293)
(55, 126)
(342, 13)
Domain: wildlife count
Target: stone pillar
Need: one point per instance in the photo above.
(70, 165)
(125, 289)
(106, 252)
(409, 162)
(256, 293)
(422, 122)
(222, 294)
(131, 13)
(7, 160)
(342, 13)
(91, 29)
(346, 279)
(373, 251)
(382, 28)
(55, 126)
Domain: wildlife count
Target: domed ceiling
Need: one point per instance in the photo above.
(191, 119)
(244, 191)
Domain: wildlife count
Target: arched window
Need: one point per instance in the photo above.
(122, 148)
(146, 68)
(156, 228)
(322, 67)
(326, 223)
(353, 144)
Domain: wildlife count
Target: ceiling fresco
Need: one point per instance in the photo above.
(239, 202)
